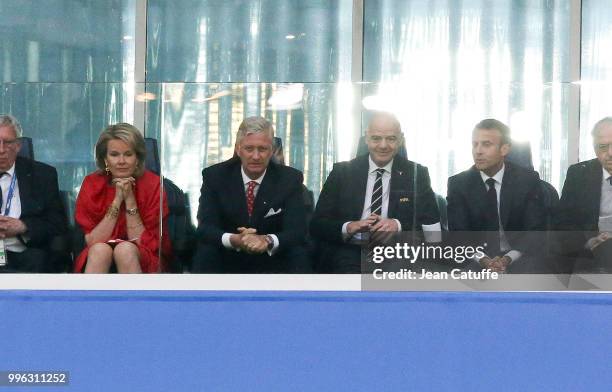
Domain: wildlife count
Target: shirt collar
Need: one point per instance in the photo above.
(11, 171)
(606, 175)
(373, 166)
(497, 177)
(246, 179)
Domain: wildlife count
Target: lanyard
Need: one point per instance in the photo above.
(9, 198)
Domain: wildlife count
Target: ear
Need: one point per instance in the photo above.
(505, 149)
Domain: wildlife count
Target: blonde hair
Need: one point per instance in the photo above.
(252, 125)
(128, 134)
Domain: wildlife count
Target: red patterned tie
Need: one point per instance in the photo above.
(250, 196)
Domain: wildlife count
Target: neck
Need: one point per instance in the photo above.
(494, 170)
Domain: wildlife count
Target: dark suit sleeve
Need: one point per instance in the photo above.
(325, 225)
(50, 221)
(209, 217)
(457, 208)
(565, 216)
(534, 214)
(293, 230)
(427, 208)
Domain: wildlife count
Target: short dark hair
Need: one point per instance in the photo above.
(491, 123)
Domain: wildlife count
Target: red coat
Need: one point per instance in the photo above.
(97, 194)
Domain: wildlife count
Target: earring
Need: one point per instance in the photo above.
(106, 169)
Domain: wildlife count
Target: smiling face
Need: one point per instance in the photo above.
(255, 151)
(9, 147)
(488, 151)
(120, 159)
(603, 145)
(384, 139)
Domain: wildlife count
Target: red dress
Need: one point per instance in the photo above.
(97, 194)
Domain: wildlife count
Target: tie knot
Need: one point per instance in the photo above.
(252, 184)
(380, 171)
(491, 183)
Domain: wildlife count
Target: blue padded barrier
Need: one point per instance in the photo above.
(336, 341)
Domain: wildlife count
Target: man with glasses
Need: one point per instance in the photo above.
(376, 193)
(32, 212)
(585, 209)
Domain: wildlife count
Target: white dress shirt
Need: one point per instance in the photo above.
(366, 211)
(504, 246)
(11, 243)
(225, 238)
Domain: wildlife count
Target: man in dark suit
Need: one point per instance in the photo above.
(585, 210)
(376, 193)
(251, 214)
(32, 212)
(498, 201)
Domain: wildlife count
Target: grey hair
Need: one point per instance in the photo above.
(252, 125)
(6, 120)
(598, 124)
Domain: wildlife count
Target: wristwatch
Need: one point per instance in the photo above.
(131, 211)
(270, 241)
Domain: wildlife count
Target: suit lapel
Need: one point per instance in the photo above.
(398, 184)
(24, 181)
(237, 194)
(477, 190)
(505, 198)
(360, 177)
(595, 177)
(264, 194)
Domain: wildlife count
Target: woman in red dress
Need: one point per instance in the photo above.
(118, 208)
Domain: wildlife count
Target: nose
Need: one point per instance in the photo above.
(256, 154)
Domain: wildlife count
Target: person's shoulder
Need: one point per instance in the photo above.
(287, 173)
(221, 168)
(521, 172)
(35, 167)
(462, 176)
(406, 164)
(355, 163)
(580, 168)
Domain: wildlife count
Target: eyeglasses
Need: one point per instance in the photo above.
(9, 143)
(603, 147)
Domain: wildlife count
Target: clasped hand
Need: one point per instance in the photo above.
(598, 240)
(10, 227)
(249, 241)
(496, 264)
(124, 188)
(373, 223)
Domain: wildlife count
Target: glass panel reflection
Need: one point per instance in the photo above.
(596, 70)
(67, 40)
(64, 122)
(443, 66)
(197, 125)
(248, 40)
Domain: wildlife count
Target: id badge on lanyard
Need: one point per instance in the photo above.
(9, 200)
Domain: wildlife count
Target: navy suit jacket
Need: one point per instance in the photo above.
(223, 206)
(42, 210)
(411, 199)
(579, 206)
(521, 207)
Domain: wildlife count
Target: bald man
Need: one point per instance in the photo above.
(374, 193)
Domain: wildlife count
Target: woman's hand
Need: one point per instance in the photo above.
(124, 189)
